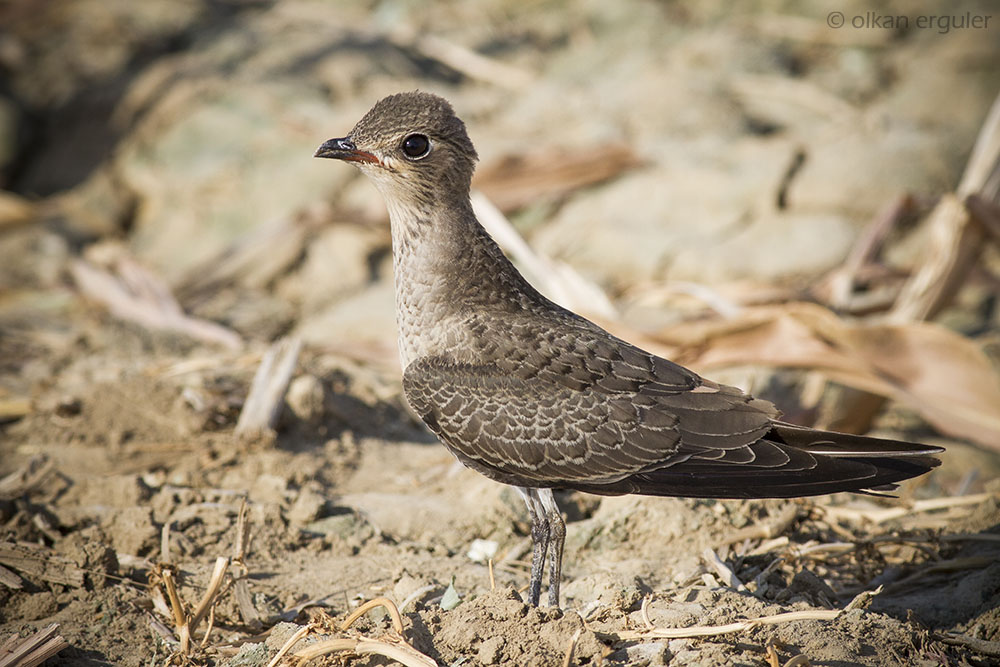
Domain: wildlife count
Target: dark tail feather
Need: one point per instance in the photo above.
(835, 444)
(819, 462)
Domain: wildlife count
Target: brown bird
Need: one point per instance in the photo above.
(532, 395)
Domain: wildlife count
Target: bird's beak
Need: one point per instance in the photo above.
(344, 149)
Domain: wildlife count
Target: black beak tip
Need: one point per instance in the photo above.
(335, 148)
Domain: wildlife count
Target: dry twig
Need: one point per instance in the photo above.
(393, 647)
(952, 565)
(560, 281)
(390, 607)
(267, 392)
(772, 655)
(402, 653)
(796, 661)
(984, 646)
(136, 295)
(764, 530)
(837, 288)
(10, 579)
(292, 641)
(14, 408)
(461, 59)
(957, 241)
(724, 571)
(241, 590)
(986, 213)
(32, 650)
(26, 478)
(35, 561)
(879, 515)
(739, 626)
(416, 595)
(166, 598)
(519, 180)
(571, 649)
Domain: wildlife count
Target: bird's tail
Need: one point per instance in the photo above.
(812, 463)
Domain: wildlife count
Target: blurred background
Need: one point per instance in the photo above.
(669, 163)
(800, 199)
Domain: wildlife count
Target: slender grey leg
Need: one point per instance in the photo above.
(539, 542)
(557, 536)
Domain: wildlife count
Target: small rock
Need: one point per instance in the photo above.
(250, 655)
(642, 654)
(305, 398)
(480, 551)
(617, 591)
(785, 245)
(307, 507)
(808, 585)
(346, 526)
(68, 406)
(678, 645)
(687, 657)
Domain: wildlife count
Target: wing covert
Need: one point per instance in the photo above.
(533, 431)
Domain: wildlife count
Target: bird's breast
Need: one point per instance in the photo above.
(454, 292)
(432, 318)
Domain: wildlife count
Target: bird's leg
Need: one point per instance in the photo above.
(539, 542)
(557, 535)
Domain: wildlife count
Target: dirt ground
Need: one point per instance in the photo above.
(359, 503)
(162, 224)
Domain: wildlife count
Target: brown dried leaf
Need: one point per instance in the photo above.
(944, 376)
(514, 181)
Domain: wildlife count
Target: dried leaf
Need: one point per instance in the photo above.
(451, 598)
(515, 181)
(944, 376)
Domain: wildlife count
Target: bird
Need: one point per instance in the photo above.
(532, 395)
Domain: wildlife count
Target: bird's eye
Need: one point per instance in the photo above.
(416, 146)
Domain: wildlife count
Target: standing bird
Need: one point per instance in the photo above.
(533, 395)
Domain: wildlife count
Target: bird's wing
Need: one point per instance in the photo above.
(532, 430)
(573, 406)
(711, 421)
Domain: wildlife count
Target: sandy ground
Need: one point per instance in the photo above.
(360, 503)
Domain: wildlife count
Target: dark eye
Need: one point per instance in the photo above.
(416, 146)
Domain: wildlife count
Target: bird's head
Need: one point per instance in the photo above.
(413, 147)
